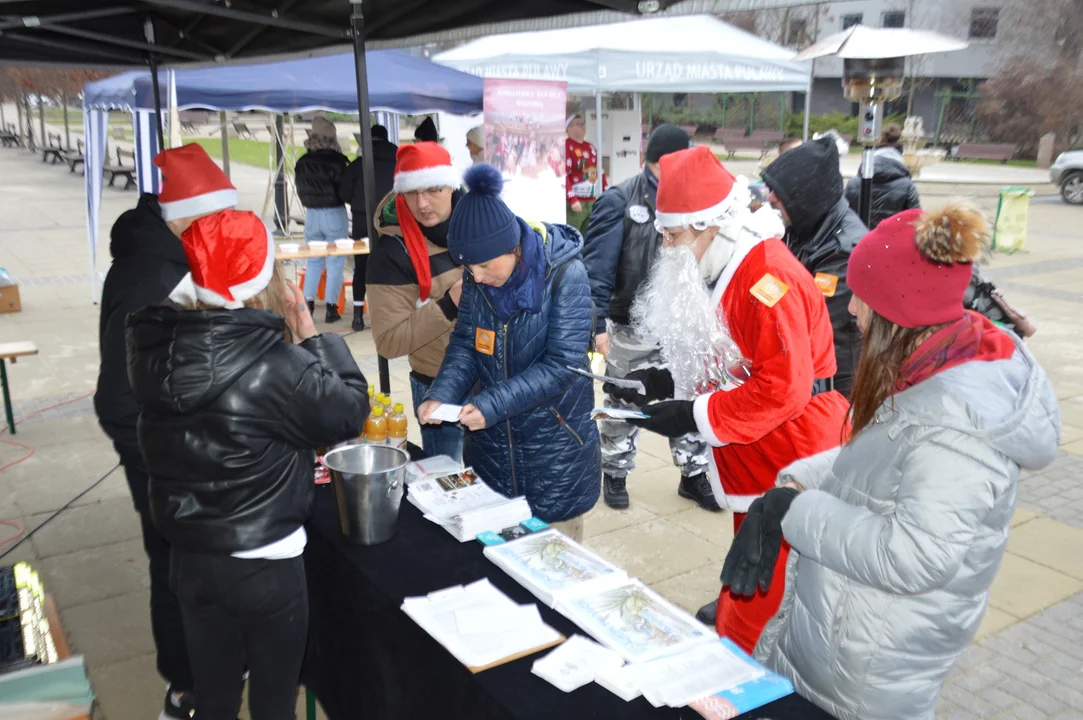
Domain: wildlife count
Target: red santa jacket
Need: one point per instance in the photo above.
(779, 320)
(581, 171)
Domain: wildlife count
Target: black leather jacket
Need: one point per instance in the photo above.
(318, 174)
(892, 187)
(231, 416)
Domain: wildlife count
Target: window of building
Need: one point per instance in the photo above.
(848, 21)
(894, 19)
(798, 32)
(983, 23)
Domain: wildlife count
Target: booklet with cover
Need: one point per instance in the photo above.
(553, 566)
(733, 701)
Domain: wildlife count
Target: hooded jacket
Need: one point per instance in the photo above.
(823, 231)
(900, 534)
(148, 262)
(318, 174)
(893, 189)
(352, 187)
(539, 439)
(232, 415)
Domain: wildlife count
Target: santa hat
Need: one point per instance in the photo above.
(194, 185)
(695, 189)
(417, 167)
(914, 268)
(231, 257)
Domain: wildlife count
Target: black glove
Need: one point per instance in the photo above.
(672, 418)
(657, 382)
(751, 559)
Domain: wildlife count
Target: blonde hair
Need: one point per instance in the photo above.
(271, 298)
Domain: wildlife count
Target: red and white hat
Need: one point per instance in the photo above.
(231, 257)
(194, 184)
(695, 189)
(424, 165)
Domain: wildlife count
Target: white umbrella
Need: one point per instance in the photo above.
(869, 43)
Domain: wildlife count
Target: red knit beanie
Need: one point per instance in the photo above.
(914, 268)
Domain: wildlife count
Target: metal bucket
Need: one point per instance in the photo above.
(368, 483)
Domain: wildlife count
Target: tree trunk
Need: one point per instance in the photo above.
(43, 140)
(67, 127)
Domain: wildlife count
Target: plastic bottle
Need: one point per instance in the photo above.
(396, 427)
(376, 426)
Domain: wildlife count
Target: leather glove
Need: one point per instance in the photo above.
(750, 562)
(672, 418)
(657, 382)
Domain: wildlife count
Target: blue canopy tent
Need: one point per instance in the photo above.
(397, 81)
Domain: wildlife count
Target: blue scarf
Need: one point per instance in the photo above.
(525, 287)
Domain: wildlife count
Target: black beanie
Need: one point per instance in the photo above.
(664, 140)
(808, 181)
(426, 131)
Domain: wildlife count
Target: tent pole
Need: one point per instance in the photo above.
(808, 101)
(282, 219)
(598, 135)
(368, 173)
(225, 141)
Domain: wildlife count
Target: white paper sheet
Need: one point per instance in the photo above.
(696, 673)
(616, 414)
(481, 620)
(619, 382)
(436, 465)
(575, 662)
(447, 413)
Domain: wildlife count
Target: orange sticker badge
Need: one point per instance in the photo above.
(827, 283)
(769, 290)
(484, 341)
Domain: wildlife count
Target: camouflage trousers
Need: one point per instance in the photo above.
(626, 354)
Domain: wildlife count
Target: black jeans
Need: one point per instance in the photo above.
(165, 614)
(239, 612)
(360, 266)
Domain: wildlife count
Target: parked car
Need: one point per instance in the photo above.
(1067, 172)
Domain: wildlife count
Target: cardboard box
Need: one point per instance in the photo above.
(9, 299)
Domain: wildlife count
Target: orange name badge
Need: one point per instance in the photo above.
(827, 283)
(484, 341)
(769, 290)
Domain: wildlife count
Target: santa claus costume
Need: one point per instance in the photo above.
(582, 173)
(763, 306)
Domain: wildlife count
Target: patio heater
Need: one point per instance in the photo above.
(873, 68)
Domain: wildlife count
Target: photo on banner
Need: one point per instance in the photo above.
(524, 140)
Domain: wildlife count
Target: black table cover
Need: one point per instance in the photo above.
(367, 660)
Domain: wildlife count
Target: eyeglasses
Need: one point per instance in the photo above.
(415, 194)
(578, 123)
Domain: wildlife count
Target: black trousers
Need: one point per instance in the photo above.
(360, 266)
(165, 613)
(240, 613)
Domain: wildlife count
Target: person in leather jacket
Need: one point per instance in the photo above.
(821, 231)
(893, 188)
(318, 174)
(232, 412)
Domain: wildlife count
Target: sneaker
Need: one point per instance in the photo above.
(707, 613)
(332, 314)
(178, 706)
(358, 318)
(616, 492)
(698, 488)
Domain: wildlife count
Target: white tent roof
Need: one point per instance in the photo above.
(667, 54)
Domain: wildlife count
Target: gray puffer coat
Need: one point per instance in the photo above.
(900, 534)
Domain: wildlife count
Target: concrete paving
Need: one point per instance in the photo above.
(1026, 662)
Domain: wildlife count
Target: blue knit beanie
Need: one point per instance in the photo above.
(482, 226)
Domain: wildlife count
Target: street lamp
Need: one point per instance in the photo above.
(873, 67)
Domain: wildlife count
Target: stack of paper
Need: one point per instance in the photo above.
(431, 467)
(480, 625)
(702, 671)
(576, 662)
(554, 567)
(465, 506)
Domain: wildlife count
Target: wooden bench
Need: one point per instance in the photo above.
(120, 169)
(690, 129)
(12, 351)
(74, 157)
(242, 130)
(735, 139)
(119, 134)
(54, 149)
(984, 151)
(9, 137)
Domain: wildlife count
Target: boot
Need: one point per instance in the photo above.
(311, 307)
(358, 318)
(698, 488)
(332, 314)
(707, 613)
(616, 492)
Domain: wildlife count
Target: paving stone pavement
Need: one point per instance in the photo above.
(1056, 491)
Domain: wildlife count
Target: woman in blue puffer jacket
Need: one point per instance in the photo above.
(524, 317)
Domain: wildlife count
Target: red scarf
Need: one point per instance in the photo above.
(416, 247)
(971, 337)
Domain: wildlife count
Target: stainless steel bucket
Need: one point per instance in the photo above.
(368, 483)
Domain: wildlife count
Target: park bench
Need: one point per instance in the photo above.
(242, 130)
(127, 172)
(984, 151)
(12, 351)
(690, 129)
(118, 134)
(9, 138)
(188, 121)
(735, 139)
(54, 150)
(76, 156)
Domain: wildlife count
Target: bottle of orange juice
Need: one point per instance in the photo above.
(396, 427)
(376, 426)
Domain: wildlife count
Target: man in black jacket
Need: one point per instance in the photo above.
(148, 262)
(619, 251)
(822, 231)
(352, 190)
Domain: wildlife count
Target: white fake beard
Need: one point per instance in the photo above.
(674, 309)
